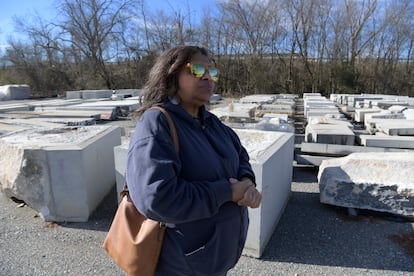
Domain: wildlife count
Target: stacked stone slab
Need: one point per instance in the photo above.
(325, 123)
(378, 121)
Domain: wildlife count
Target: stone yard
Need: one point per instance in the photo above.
(300, 230)
(310, 239)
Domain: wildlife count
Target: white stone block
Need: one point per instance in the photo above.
(396, 127)
(15, 92)
(381, 182)
(63, 173)
(386, 141)
(258, 99)
(271, 156)
(329, 134)
(409, 113)
(359, 115)
(120, 155)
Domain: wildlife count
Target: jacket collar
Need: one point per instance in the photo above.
(181, 113)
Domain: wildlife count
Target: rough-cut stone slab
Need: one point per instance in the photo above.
(313, 160)
(61, 113)
(236, 112)
(386, 141)
(271, 155)
(381, 182)
(396, 127)
(373, 118)
(127, 104)
(63, 173)
(30, 123)
(320, 112)
(15, 92)
(277, 108)
(409, 113)
(14, 107)
(329, 134)
(258, 99)
(359, 115)
(343, 150)
(88, 94)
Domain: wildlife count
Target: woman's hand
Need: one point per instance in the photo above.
(245, 193)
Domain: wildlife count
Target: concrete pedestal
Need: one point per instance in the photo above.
(271, 156)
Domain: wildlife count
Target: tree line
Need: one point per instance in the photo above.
(260, 46)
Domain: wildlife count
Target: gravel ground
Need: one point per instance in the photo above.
(310, 239)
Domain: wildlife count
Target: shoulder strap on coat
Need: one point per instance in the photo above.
(173, 131)
(174, 137)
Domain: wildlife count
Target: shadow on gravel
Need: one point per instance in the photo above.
(101, 218)
(313, 233)
(305, 174)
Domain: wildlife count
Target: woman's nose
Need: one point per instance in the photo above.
(207, 76)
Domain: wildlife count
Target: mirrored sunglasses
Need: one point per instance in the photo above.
(198, 70)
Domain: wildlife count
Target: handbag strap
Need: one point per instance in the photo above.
(174, 136)
(173, 130)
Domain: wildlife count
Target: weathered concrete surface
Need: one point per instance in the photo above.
(381, 182)
(63, 173)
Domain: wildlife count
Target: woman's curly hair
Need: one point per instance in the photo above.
(163, 77)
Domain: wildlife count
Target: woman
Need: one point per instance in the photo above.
(201, 193)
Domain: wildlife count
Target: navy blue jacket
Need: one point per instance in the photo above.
(190, 192)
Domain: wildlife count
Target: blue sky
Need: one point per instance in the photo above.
(9, 8)
(22, 8)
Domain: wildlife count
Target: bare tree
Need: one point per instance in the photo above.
(302, 14)
(39, 59)
(249, 33)
(358, 13)
(90, 28)
(292, 46)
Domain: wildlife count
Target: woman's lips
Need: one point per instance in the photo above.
(208, 86)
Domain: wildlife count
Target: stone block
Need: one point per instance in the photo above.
(88, 94)
(321, 112)
(73, 95)
(236, 112)
(63, 173)
(386, 141)
(409, 113)
(359, 115)
(120, 155)
(382, 182)
(271, 156)
(371, 124)
(396, 127)
(329, 134)
(258, 99)
(15, 92)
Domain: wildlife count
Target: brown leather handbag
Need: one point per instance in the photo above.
(134, 241)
